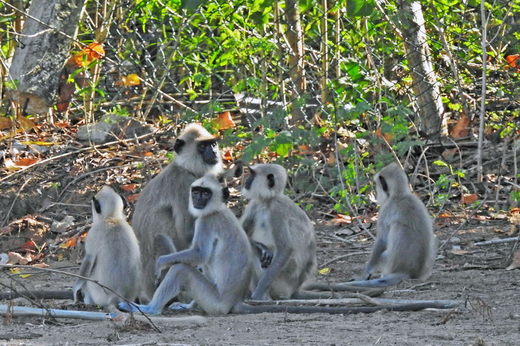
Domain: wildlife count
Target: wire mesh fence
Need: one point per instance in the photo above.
(316, 61)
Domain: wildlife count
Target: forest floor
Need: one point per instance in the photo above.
(34, 200)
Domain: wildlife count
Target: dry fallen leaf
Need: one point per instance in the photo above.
(469, 198)
(132, 198)
(128, 187)
(341, 219)
(227, 156)
(26, 161)
(324, 271)
(224, 121)
(461, 128)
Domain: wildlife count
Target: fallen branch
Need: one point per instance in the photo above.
(419, 305)
(353, 301)
(497, 241)
(97, 316)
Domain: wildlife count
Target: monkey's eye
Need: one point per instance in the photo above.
(97, 205)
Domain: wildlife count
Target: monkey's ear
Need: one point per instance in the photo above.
(225, 193)
(270, 180)
(179, 143)
(383, 183)
(97, 205)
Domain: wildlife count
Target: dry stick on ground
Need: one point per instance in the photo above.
(498, 241)
(93, 147)
(355, 301)
(79, 277)
(14, 201)
(98, 316)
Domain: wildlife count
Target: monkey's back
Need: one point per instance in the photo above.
(162, 208)
(230, 265)
(117, 263)
(406, 223)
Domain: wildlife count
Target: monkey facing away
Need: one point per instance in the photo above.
(112, 255)
(219, 246)
(405, 245)
(162, 207)
(274, 220)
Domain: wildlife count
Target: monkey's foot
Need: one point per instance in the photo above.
(147, 309)
(182, 306)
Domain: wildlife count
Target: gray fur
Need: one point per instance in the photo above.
(405, 245)
(112, 255)
(273, 219)
(162, 207)
(220, 247)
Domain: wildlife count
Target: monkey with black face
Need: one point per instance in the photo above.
(112, 255)
(405, 246)
(162, 207)
(274, 220)
(219, 246)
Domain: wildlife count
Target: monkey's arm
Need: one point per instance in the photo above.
(279, 260)
(375, 257)
(85, 270)
(198, 254)
(248, 219)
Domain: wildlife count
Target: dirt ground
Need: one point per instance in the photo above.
(33, 200)
(489, 313)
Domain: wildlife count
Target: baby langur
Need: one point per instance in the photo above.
(405, 246)
(112, 255)
(274, 220)
(219, 246)
(162, 207)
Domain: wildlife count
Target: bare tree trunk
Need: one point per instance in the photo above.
(425, 86)
(296, 66)
(43, 49)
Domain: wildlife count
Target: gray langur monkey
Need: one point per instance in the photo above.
(274, 220)
(162, 207)
(219, 246)
(223, 250)
(405, 245)
(112, 255)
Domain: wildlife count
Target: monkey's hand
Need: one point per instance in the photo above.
(161, 264)
(264, 253)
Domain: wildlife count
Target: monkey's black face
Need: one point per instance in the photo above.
(200, 196)
(383, 183)
(208, 150)
(97, 205)
(249, 180)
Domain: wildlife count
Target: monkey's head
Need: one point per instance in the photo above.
(107, 204)
(207, 196)
(264, 181)
(390, 182)
(197, 151)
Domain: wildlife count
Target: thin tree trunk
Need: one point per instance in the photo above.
(44, 46)
(425, 86)
(296, 66)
